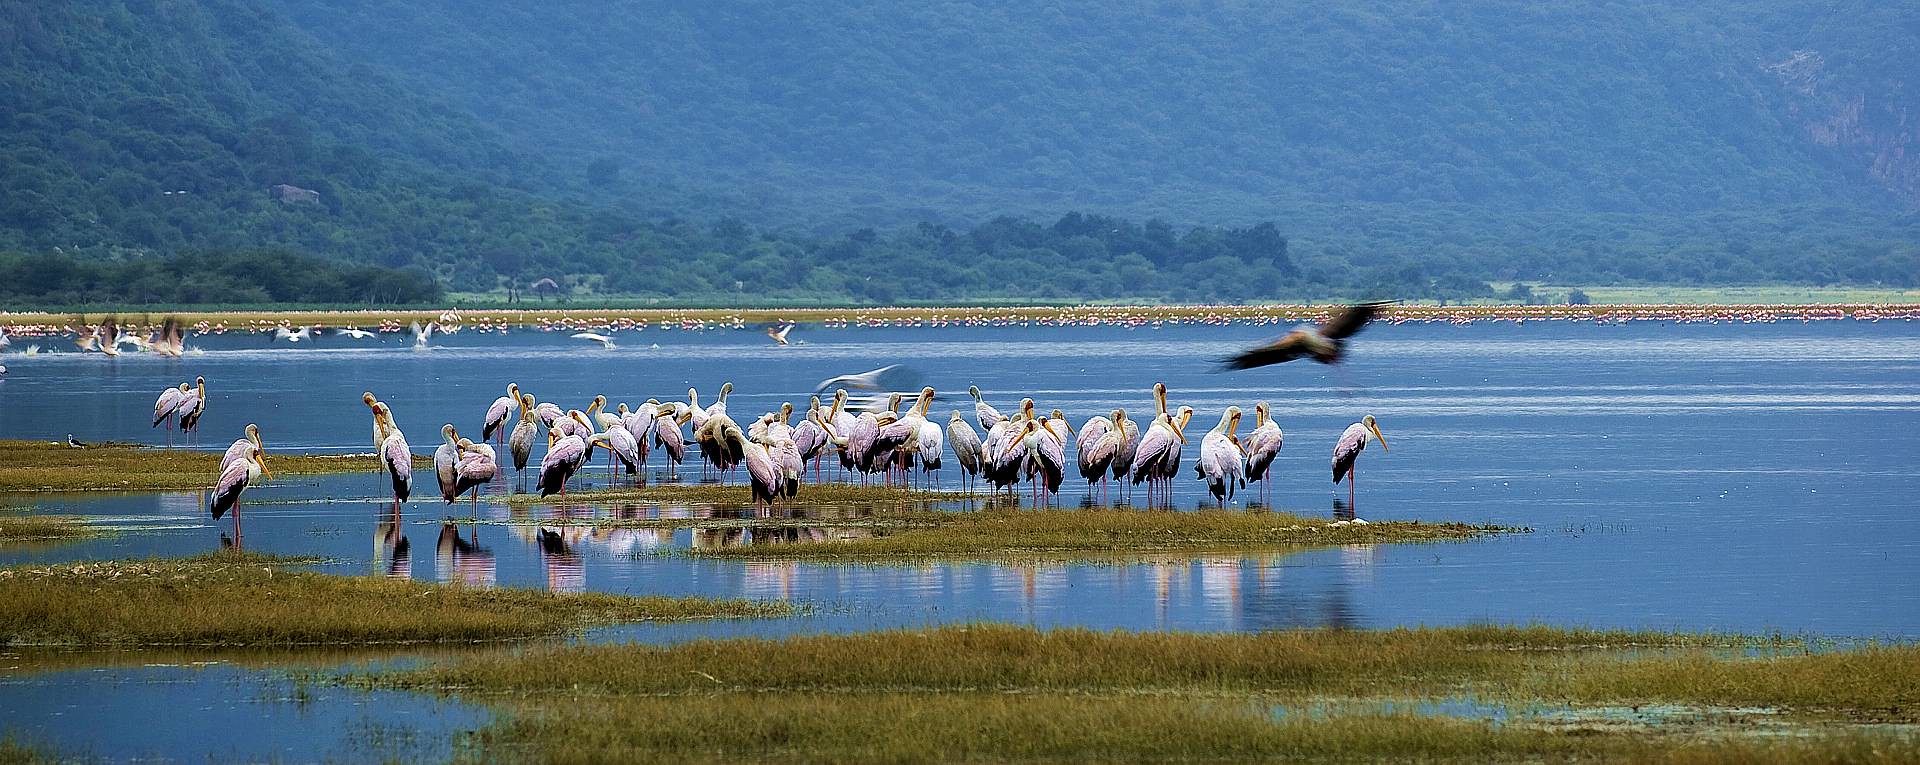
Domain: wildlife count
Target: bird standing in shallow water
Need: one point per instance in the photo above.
(237, 475)
(1346, 452)
(477, 467)
(1263, 446)
(498, 412)
(394, 454)
(1223, 461)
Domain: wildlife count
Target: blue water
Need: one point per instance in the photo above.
(1748, 478)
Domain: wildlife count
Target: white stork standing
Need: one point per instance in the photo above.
(477, 467)
(1222, 462)
(446, 463)
(394, 454)
(236, 476)
(520, 442)
(966, 448)
(1099, 444)
(498, 412)
(983, 411)
(1263, 446)
(166, 407)
(1346, 453)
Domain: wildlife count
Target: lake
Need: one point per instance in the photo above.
(1739, 477)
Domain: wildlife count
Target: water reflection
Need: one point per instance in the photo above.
(463, 561)
(392, 554)
(565, 572)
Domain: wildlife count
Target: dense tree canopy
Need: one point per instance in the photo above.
(887, 151)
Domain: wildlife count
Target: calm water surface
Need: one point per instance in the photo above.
(1724, 477)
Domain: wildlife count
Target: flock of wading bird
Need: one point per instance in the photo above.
(1024, 446)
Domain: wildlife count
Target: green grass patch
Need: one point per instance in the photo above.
(1094, 532)
(229, 599)
(16, 529)
(42, 466)
(995, 693)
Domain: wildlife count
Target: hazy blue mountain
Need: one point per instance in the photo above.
(1217, 111)
(730, 151)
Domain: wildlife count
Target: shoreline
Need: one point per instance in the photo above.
(36, 323)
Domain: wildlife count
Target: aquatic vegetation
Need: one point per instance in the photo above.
(996, 692)
(230, 599)
(1058, 533)
(44, 528)
(38, 466)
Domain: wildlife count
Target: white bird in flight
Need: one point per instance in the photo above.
(353, 332)
(281, 333)
(604, 341)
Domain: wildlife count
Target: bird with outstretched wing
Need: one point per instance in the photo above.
(1325, 343)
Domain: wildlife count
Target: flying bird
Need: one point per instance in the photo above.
(606, 343)
(421, 334)
(282, 333)
(353, 332)
(1325, 343)
(779, 334)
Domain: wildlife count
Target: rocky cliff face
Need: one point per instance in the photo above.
(1872, 122)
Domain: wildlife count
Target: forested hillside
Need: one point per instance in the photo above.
(884, 151)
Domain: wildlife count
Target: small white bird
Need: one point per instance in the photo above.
(779, 334)
(353, 332)
(604, 341)
(282, 333)
(421, 335)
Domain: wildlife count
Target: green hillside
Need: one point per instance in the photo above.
(1220, 111)
(872, 150)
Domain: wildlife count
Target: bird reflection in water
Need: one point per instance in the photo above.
(463, 561)
(1342, 511)
(627, 542)
(392, 555)
(1357, 563)
(775, 579)
(1219, 580)
(565, 573)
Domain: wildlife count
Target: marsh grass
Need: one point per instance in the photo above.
(15, 529)
(991, 692)
(43, 466)
(226, 599)
(1094, 532)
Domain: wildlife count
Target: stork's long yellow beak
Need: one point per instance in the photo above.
(1383, 439)
(261, 460)
(1177, 431)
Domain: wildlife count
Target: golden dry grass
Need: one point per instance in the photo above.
(249, 600)
(1003, 693)
(44, 466)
